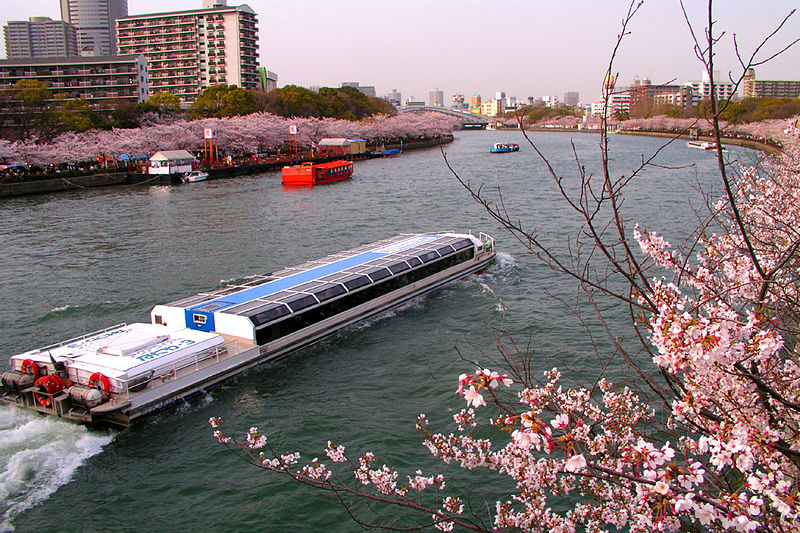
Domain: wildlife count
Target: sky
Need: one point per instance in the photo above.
(522, 47)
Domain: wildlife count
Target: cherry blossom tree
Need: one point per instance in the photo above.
(236, 135)
(707, 438)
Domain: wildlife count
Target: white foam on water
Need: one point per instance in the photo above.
(37, 456)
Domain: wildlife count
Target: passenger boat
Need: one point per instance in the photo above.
(702, 145)
(194, 175)
(316, 173)
(502, 148)
(119, 374)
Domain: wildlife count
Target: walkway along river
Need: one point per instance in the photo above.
(80, 260)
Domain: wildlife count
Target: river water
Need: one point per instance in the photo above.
(78, 261)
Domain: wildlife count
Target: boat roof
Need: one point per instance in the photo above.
(266, 297)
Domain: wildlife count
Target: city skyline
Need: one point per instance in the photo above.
(472, 47)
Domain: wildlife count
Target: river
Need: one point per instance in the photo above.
(78, 261)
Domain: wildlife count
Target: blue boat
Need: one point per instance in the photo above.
(502, 148)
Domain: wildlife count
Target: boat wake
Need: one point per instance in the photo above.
(504, 273)
(38, 455)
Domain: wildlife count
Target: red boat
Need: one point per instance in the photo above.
(317, 173)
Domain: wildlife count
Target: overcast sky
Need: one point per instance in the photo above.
(523, 47)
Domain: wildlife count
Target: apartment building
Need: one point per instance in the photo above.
(40, 37)
(188, 51)
(701, 90)
(101, 80)
(94, 19)
(753, 88)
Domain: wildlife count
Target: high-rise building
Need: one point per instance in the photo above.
(436, 98)
(94, 19)
(753, 88)
(188, 51)
(394, 97)
(572, 98)
(40, 37)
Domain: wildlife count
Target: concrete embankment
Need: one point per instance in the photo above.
(58, 184)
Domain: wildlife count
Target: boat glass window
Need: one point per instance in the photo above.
(445, 250)
(299, 301)
(398, 266)
(355, 281)
(267, 313)
(328, 291)
(378, 273)
(426, 257)
(462, 243)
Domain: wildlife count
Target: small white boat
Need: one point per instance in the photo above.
(702, 145)
(194, 175)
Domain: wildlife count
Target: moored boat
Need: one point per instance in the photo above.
(316, 173)
(702, 145)
(122, 373)
(502, 148)
(194, 175)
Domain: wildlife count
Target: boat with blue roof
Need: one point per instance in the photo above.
(127, 371)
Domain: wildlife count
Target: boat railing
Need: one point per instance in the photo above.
(81, 337)
(168, 372)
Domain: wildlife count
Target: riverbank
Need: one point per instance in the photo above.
(106, 179)
(763, 146)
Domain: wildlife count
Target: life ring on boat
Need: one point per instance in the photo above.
(29, 367)
(46, 386)
(99, 381)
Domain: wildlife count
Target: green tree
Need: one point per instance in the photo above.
(76, 114)
(31, 113)
(126, 115)
(223, 101)
(164, 102)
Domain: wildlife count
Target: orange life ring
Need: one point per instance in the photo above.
(29, 367)
(99, 381)
(46, 386)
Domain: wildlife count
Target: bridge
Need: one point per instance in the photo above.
(468, 120)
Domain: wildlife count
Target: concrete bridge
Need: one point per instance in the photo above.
(468, 120)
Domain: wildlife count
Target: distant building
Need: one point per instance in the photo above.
(572, 98)
(410, 102)
(188, 51)
(394, 97)
(94, 19)
(40, 37)
(475, 103)
(436, 98)
(753, 88)
(267, 80)
(683, 97)
(551, 101)
(493, 107)
(100, 80)
(642, 95)
(369, 90)
(701, 90)
(619, 102)
(459, 102)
